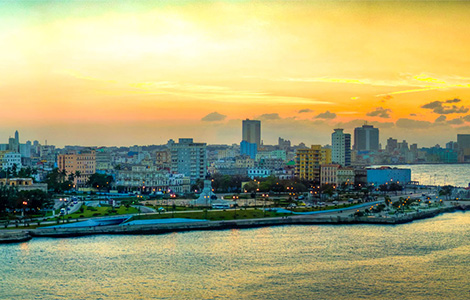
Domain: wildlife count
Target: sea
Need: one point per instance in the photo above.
(425, 259)
(439, 174)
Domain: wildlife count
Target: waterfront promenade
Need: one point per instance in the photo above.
(330, 217)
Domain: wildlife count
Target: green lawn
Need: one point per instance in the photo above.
(306, 209)
(90, 212)
(214, 215)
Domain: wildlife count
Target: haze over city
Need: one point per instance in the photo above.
(143, 72)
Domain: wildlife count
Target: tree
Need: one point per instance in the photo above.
(56, 181)
(100, 181)
(250, 186)
(36, 200)
(446, 191)
(8, 197)
(71, 176)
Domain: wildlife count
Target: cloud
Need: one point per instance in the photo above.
(214, 93)
(412, 124)
(359, 122)
(464, 128)
(440, 107)
(466, 118)
(306, 110)
(214, 117)
(326, 115)
(457, 121)
(413, 115)
(273, 116)
(440, 119)
(380, 112)
(419, 83)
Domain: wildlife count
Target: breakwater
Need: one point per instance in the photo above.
(11, 237)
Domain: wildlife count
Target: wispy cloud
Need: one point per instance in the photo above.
(217, 93)
(79, 75)
(422, 82)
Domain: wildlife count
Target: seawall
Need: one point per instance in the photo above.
(12, 237)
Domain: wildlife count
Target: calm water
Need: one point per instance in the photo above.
(428, 259)
(453, 174)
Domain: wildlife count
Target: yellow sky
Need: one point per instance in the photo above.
(120, 73)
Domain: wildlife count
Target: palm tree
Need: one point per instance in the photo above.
(62, 175)
(78, 174)
(71, 176)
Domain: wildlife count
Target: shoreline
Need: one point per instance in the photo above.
(26, 235)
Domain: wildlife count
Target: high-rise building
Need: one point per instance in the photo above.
(392, 144)
(250, 149)
(366, 138)
(341, 147)
(283, 144)
(403, 146)
(251, 131)
(308, 162)
(463, 140)
(189, 158)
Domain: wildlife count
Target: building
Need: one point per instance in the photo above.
(10, 160)
(82, 163)
(328, 174)
(189, 158)
(23, 184)
(392, 144)
(151, 180)
(258, 173)
(103, 160)
(346, 176)
(249, 149)
(251, 131)
(463, 140)
(337, 175)
(387, 175)
(308, 161)
(325, 156)
(283, 144)
(163, 159)
(366, 138)
(341, 147)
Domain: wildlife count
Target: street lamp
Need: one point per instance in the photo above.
(25, 203)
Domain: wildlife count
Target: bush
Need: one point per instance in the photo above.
(96, 214)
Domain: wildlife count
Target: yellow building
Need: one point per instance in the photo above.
(308, 161)
(23, 184)
(325, 156)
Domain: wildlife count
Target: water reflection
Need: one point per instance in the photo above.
(420, 260)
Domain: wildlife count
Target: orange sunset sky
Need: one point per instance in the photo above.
(142, 72)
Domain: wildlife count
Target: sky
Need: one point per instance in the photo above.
(102, 73)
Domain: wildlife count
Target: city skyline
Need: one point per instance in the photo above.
(146, 72)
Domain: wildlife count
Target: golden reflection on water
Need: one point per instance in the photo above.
(427, 259)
